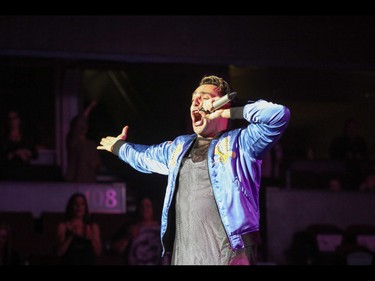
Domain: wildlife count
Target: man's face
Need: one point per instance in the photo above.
(204, 127)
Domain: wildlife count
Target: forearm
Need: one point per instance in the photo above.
(97, 246)
(267, 122)
(120, 245)
(64, 245)
(263, 112)
(144, 158)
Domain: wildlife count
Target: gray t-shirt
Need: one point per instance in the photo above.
(200, 236)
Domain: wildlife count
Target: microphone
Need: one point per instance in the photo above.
(221, 102)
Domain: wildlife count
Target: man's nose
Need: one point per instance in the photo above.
(197, 101)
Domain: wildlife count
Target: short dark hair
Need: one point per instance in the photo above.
(217, 81)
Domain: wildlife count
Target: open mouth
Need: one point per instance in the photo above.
(197, 118)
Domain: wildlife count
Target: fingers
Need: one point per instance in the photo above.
(124, 133)
(207, 107)
(108, 142)
(213, 115)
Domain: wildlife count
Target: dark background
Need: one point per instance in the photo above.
(320, 66)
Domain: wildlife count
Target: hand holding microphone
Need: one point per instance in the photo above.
(220, 102)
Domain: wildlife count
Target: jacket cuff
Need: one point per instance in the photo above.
(116, 147)
(236, 112)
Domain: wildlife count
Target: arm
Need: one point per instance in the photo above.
(121, 242)
(267, 122)
(89, 108)
(120, 245)
(78, 125)
(64, 239)
(143, 158)
(93, 234)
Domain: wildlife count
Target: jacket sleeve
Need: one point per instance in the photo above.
(144, 158)
(267, 122)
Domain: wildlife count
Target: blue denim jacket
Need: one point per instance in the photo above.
(234, 164)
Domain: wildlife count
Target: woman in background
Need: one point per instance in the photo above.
(8, 255)
(139, 242)
(17, 149)
(79, 241)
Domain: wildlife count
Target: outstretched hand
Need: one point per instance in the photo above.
(108, 142)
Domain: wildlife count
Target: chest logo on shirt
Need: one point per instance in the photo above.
(177, 151)
(222, 151)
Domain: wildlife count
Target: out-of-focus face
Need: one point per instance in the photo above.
(204, 127)
(79, 207)
(146, 209)
(14, 118)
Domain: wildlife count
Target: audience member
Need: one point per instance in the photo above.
(139, 242)
(79, 241)
(349, 146)
(8, 255)
(17, 149)
(368, 184)
(352, 149)
(83, 157)
(272, 166)
(334, 183)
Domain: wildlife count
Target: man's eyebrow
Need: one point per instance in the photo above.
(204, 93)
